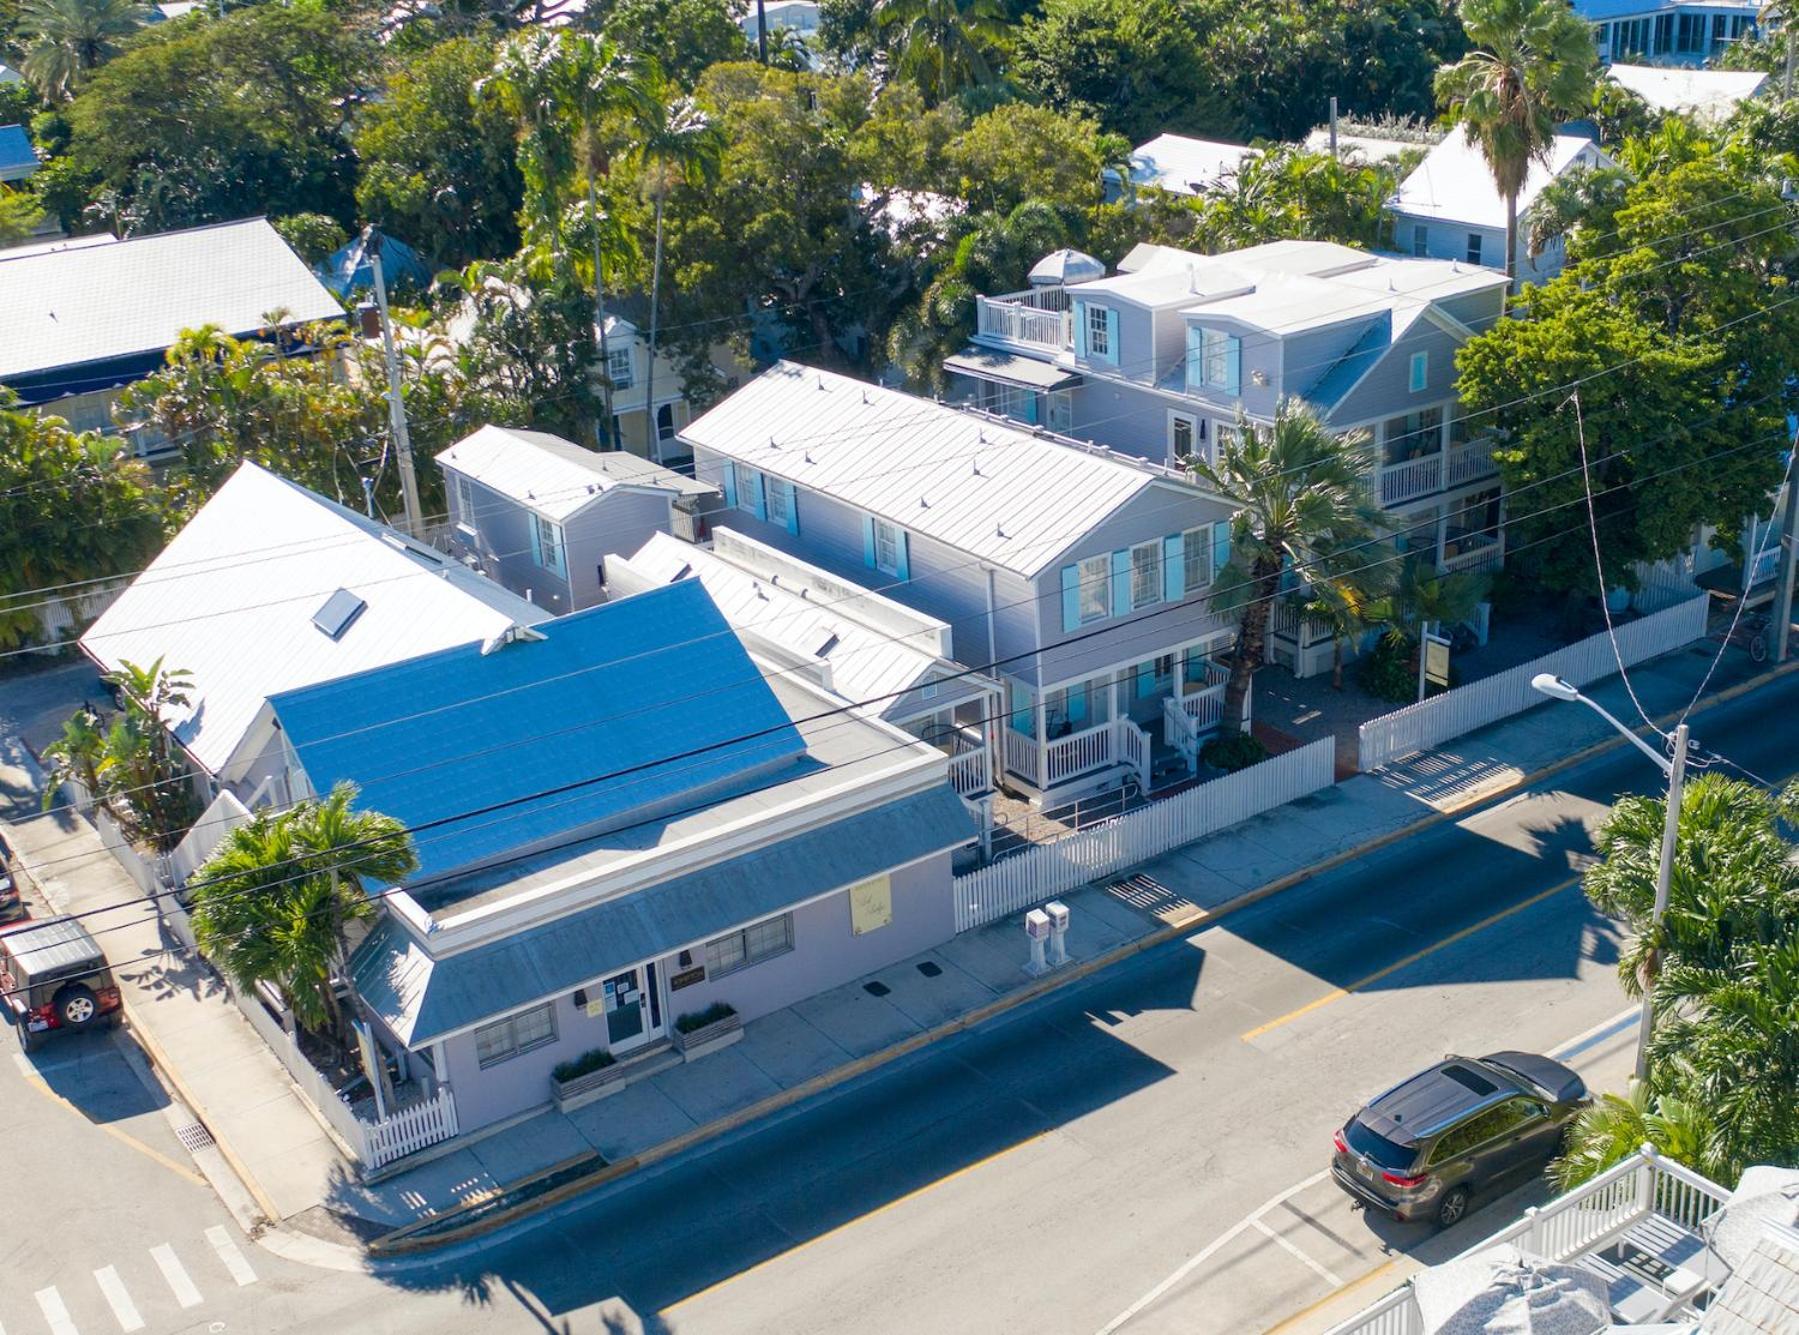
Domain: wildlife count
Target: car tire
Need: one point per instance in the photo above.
(1453, 1208)
(76, 1006)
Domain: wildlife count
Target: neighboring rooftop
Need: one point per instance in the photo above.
(566, 730)
(1368, 147)
(556, 477)
(238, 600)
(1710, 95)
(18, 159)
(1454, 183)
(1187, 166)
(71, 306)
(1001, 494)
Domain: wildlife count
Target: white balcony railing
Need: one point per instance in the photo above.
(1077, 753)
(968, 769)
(1470, 461)
(1431, 473)
(1038, 319)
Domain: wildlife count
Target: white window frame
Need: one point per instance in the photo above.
(1099, 343)
(550, 551)
(749, 486)
(891, 539)
(621, 366)
(503, 1036)
(1093, 576)
(1196, 556)
(1198, 443)
(465, 499)
(1146, 574)
(749, 946)
(777, 500)
(1214, 358)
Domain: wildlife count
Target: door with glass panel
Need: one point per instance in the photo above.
(633, 1013)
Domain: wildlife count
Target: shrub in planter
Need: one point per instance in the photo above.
(694, 1021)
(597, 1059)
(1233, 753)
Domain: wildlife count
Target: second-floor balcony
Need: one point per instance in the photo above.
(1441, 470)
(1037, 320)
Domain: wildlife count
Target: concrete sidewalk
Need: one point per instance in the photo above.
(278, 1145)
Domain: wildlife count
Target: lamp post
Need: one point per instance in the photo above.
(1675, 769)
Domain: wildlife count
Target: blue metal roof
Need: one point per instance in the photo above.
(488, 755)
(349, 269)
(15, 148)
(421, 998)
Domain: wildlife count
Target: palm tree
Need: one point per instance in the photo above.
(1533, 66)
(70, 37)
(1301, 493)
(1348, 594)
(141, 767)
(76, 755)
(1616, 1126)
(275, 901)
(942, 45)
(1423, 596)
(675, 143)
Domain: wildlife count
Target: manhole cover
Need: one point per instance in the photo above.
(194, 1137)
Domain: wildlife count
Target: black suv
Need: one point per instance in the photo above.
(53, 977)
(1420, 1150)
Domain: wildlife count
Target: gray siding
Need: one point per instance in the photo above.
(520, 1082)
(1261, 352)
(1307, 357)
(1385, 391)
(620, 522)
(503, 545)
(1125, 418)
(1478, 310)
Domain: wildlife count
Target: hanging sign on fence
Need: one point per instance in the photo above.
(1436, 660)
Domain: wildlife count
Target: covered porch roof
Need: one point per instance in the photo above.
(1011, 369)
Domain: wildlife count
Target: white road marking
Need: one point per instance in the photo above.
(1205, 1253)
(1293, 1250)
(230, 1255)
(50, 1302)
(170, 1265)
(118, 1299)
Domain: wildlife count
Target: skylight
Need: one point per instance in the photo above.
(340, 610)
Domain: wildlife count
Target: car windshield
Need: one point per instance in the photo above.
(1378, 1149)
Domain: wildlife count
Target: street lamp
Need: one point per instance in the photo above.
(1556, 688)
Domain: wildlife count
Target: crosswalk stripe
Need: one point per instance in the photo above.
(120, 1301)
(49, 1301)
(230, 1255)
(170, 1265)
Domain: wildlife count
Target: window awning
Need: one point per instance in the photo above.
(1011, 369)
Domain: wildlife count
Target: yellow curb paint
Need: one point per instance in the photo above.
(37, 1083)
(1466, 932)
(1333, 1296)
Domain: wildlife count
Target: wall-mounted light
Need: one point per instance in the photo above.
(1259, 379)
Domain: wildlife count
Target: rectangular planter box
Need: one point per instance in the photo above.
(608, 1080)
(709, 1038)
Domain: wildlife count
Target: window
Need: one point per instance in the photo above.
(1490, 1125)
(888, 542)
(665, 422)
(465, 500)
(618, 367)
(1474, 247)
(1420, 240)
(1099, 332)
(1095, 588)
(1183, 433)
(780, 502)
(1664, 34)
(1412, 436)
(755, 943)
(1012, 401)
(546, 545)
(1221, 357)
(1061, 410)
(505, 1039)
(1196, 558)
(1420, 376)
(1146, 574)
(748, 486)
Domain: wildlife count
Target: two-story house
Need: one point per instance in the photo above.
(1159, 360)
(621, 819)
(1450, 209)
(1668, 32)
(1079, 577)
(537, 513)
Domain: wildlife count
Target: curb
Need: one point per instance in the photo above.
(401, 1242)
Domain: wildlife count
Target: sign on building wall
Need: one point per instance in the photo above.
(871, 905)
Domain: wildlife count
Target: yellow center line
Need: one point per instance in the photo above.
(38, 1083)
(895, 1203)
(1466, 932)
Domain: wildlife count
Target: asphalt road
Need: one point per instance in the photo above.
(1056, 1170)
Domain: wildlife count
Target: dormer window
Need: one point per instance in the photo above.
(1099, 333)
(1214, 360)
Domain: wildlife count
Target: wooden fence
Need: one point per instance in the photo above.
(1043, 871)
(1424, 725)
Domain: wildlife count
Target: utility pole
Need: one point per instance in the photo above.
(1786, 36)
(1789, 550)
(762, 39)
(1333, 127)
(1664, 875)
(396, 408)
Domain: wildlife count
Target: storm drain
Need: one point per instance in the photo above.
(194, 1137)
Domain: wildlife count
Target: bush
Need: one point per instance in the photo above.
(596, 1059)
(1233, 753)
(695, 1020)
(1391, 671)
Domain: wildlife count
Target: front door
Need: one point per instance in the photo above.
(627, 1011)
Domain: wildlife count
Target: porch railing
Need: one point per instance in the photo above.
(1023, 756)
(1133, 749)
(1188, 718)
(1407, 481)
(1038, 319)
(968, 773)
(1075, 754)
(1469, 461)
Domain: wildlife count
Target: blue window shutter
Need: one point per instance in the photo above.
(1077, 706)
(1174, 568)
(1030, 409)
(1196, 357)
(1221, 547)
(1024, 716)
(1071, 598)
(868, 541)
(793, 508)
(759, 499)
(1233, 364)
(536, 542)
(1146, 679)
(905, 555)
(730, 481)
(1112, 335)
(1121, 583)
(1080, 329)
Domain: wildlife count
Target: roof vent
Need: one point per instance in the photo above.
(340, 610)
(513, 634)
(923, 504)
(821, 381)
(773, 444)
(999, 530)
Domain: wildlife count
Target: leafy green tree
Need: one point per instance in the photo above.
(1290, 193)
(313, 236)
(74, 507)
(943, 46)
(244, 114)
(438, 164)
(76, 754)
(1533, 68)
(1616, 1126)
(20, 216)
(144, 777)
(70, 38)
(1018, 152)
(1349, 593)
(684, 38)
(275, 903)
(1301, 492)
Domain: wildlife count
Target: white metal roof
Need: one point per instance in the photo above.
(1000, 494)
(1369, 147)
(1454, 183)
(231, 601)
(1706, 94)
(553, 476)
(1184, 165)
(70, 305)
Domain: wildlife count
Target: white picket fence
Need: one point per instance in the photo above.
(61, 619)
(1044, 871)
(1424, 725)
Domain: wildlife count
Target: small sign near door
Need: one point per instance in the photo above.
(1436, 660)
(871, 905)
